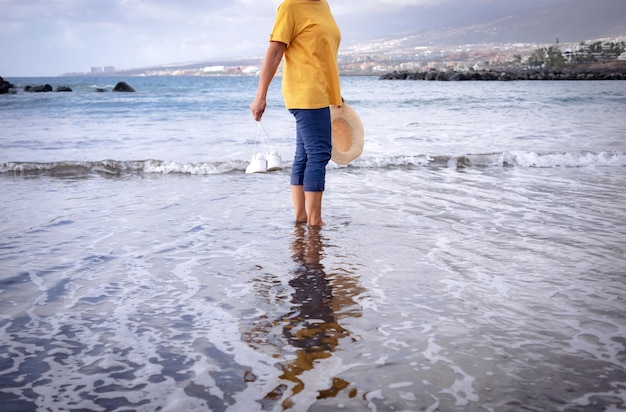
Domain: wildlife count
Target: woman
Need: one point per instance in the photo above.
(306, 34)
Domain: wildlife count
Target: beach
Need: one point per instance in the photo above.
(473, 258)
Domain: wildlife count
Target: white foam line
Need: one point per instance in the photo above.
(462, 389)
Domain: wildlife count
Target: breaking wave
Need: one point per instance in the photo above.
(152, 166)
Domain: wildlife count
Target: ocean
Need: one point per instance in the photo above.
(473, 257)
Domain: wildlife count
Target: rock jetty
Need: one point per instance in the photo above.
(504, 75)
(8, 88)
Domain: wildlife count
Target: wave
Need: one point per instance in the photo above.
(119, 167)
(151, 166)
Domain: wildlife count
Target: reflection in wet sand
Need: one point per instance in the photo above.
(312, 325)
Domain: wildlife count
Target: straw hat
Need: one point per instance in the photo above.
(347, 134)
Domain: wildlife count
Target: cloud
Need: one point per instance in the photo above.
(56, 36)
(340, 7)
(129, 33)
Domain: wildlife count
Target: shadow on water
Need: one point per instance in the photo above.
(312, 325)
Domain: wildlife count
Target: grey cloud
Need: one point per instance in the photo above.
(71, 35)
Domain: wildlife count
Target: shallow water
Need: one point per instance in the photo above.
(475, 274)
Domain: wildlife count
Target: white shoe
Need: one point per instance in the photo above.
(257, 164)
(274, 162)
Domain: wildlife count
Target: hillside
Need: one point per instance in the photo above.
(570, 21)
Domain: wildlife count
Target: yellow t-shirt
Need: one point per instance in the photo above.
(310, 71)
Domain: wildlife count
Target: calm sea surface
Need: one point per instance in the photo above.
(474, 257)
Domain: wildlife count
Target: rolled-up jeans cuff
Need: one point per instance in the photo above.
(314, 186)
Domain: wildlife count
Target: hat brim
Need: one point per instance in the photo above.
(347, 134)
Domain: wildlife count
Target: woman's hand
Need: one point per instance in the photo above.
(257, 107)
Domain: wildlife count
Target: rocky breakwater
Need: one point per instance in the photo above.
(8, 88)
(505, 75)
(45, 88)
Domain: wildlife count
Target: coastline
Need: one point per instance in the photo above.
(579, 72)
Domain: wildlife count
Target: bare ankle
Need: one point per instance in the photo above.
(315, 222)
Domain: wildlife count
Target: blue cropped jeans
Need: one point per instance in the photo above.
(313, 148)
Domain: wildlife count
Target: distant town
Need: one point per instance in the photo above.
(381, 57)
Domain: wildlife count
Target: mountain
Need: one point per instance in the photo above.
(571, 21)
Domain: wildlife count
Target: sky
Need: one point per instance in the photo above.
(53, 37)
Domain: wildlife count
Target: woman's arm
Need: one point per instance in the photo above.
(273, 56)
